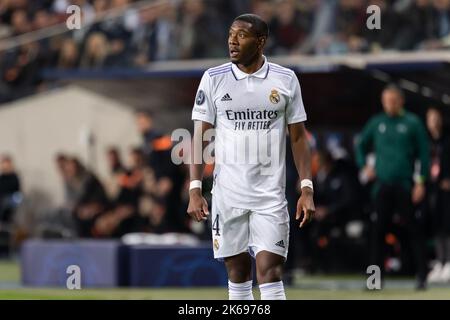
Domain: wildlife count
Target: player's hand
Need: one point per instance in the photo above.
(198, 207)
(306, 205)
(418, 193)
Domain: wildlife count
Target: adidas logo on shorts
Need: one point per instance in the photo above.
(226, 98)
(280, 244)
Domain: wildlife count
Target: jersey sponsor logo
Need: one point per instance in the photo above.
(280, 244)
(251, 119)
(200, 98)
(382, 128)
(226, 98)
(199, 110)
(251, 114)
(274, 96)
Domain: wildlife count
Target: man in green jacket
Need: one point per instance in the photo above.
(397, 138)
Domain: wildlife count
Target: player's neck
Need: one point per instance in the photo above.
(253, 66)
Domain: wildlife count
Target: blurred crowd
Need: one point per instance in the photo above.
(143, 193)
(194, 29)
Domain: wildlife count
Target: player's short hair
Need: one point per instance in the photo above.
(396, 88)
(259, 26)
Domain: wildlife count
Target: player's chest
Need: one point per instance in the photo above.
(252, 96)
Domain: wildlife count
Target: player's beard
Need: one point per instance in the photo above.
(251, 59)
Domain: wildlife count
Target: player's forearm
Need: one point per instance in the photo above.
(300, 150)
(198, 145)
(302, 157)
(196, 171)
(197, 165)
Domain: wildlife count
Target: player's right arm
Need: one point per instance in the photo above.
(198, 206)
(204, 115)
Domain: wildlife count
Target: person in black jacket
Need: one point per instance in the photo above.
(87, 196)
(438, 194)
(9, 187)
(334, 196)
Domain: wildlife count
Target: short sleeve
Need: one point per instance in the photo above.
(204, 109)
(295, 110)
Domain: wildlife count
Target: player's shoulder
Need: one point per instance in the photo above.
(219, 70)
(278, 70)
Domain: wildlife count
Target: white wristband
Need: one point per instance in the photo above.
(195, 184)
(306, 183)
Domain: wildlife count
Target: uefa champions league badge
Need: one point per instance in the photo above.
(200, 98)
(274, 96)
(216, 244)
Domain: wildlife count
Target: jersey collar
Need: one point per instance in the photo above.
(261, 73)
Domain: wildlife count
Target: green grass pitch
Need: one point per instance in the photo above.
(341, 287)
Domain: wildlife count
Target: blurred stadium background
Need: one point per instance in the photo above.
(86, 117)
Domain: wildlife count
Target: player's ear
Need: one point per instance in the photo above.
(262, 42)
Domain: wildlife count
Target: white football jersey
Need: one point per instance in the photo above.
(250, 113)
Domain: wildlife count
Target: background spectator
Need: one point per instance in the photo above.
(87, 194)
(9, 189)
(438, 195)
(334, 196)
(400, 133)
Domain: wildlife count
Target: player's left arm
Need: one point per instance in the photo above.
(302, 158)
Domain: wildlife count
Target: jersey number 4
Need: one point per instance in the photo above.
(215, 226)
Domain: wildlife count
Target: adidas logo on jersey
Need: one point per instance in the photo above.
(226, 98)
(280, 244)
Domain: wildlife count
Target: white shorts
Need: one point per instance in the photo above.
(236, 230)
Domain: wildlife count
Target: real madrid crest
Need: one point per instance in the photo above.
(274, 96)
(216, 244)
